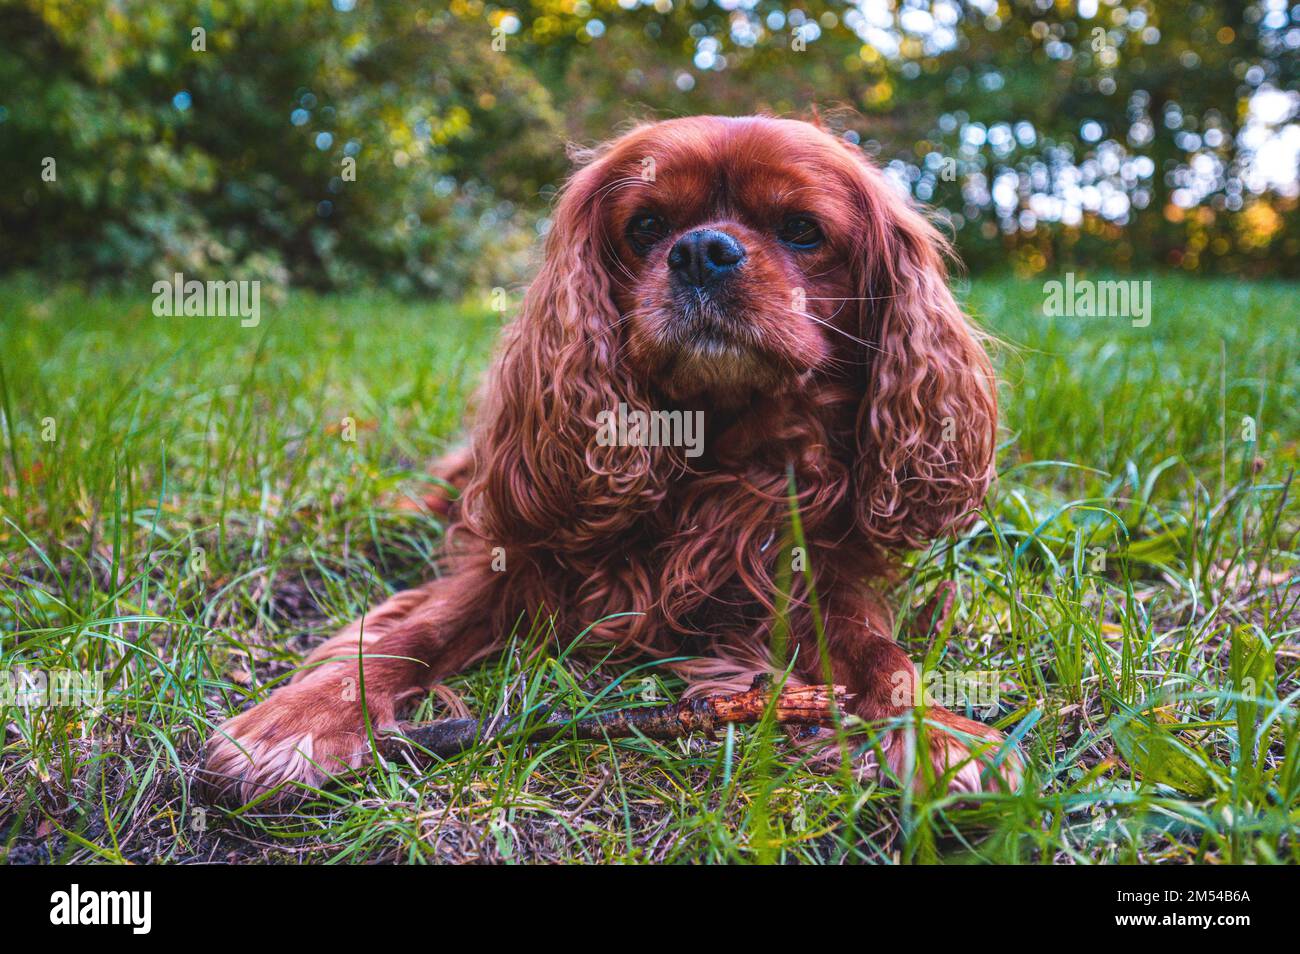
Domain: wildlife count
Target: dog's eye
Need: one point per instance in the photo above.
(800, 232)
(645, 230)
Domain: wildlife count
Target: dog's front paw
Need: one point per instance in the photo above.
(303, 734)
(965, 756)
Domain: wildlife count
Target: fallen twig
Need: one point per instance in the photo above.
(794, 705)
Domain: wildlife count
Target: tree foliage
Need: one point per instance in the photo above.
(1120, 134)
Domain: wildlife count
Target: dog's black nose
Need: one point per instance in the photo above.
(704, 256)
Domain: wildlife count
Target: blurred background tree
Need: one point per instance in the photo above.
(214, 137)
(288, 141)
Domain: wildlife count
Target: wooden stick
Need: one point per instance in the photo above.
(794, 705)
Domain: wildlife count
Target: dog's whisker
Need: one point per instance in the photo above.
(840, 331)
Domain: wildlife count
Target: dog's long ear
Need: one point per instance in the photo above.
(542, 475)
(926, 428)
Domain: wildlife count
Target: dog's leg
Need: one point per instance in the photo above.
(316, 726)
(964, 755)
(360, 635)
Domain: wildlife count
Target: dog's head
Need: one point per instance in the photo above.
(713, 260)
(728, 243)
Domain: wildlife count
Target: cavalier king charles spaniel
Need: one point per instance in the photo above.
(761, 282)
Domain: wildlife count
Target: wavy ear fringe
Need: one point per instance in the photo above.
(541, 475)
(927, 426)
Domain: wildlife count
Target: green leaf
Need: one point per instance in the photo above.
(1157, 756)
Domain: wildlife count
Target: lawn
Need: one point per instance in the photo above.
(189, 505)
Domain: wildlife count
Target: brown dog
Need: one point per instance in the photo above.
(754, 293)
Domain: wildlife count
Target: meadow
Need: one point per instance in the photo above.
(189, 505)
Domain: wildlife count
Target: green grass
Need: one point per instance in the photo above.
(198, 521)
